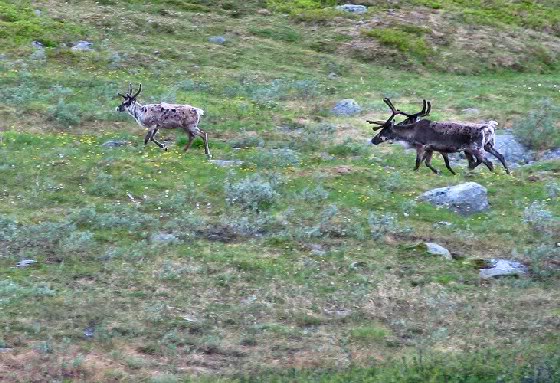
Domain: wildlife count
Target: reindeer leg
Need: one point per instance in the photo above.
(191, 139)
(489, 148)
(148, 136)
(471, 160)
(480, 158)
(156, 141)
(428, 158)
(419, 156)
(447, 165)
(204, 136)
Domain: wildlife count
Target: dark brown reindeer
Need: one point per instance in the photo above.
(443, 137)
(164, 116)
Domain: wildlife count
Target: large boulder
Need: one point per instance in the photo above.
(465, 199)
(353, 8)
(346, 107)
(501, 268)
(514, 152)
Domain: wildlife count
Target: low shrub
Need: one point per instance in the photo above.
(252, 193)
(539, 218)
(271, 158)
(65, 114)
(540, 128)
(381, 224)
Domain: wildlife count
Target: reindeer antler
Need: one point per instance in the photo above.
(138, 92)
(426, 108)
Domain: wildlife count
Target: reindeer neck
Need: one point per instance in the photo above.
(136, 111)
(405, 131)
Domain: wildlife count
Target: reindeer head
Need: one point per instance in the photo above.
(129, 99)
(387, 128)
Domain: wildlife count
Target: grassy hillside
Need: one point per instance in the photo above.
(303, 263)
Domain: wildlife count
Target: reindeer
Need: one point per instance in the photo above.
(443, 137)
(164, 116)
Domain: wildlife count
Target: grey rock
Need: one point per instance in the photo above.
(163, 238)
(221, 40)
(339, 313)
(114, 144)
(471, 111)
(332, 76)
(26, 263)
(502, 267)
(248, 300)
(5, 349)
(226, 163)
(465, 199)
(346, 107)
(317, 249)
(37, 45)
(83, 45)
(435, 249)
(37, 12)
(514, 152)
(552, 154)
(357, 264)
(89, 332)
(352, 8)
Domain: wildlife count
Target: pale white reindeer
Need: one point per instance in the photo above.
(164, 116)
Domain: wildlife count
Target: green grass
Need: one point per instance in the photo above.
(299, 265)
(405, 41)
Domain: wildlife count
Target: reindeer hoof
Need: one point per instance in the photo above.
(165, 148)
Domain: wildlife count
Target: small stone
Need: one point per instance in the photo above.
(226, 163)
(37, 45)
(501, 268)
(435, 249)
(357, 264)
(249, 299)
(317, 249)
(82, 45)
(352, 8)
(471, 111)
(89, 332)
(332, 76)
(37, 12)
(221, 40)
(346, 107)
(343, 170)
(26, 263)
(114, 144)
(163, 238)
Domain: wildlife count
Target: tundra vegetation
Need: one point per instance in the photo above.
(300, 261)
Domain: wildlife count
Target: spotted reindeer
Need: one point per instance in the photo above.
(443, 137)
(164, 116)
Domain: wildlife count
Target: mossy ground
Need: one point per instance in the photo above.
(323, 280)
